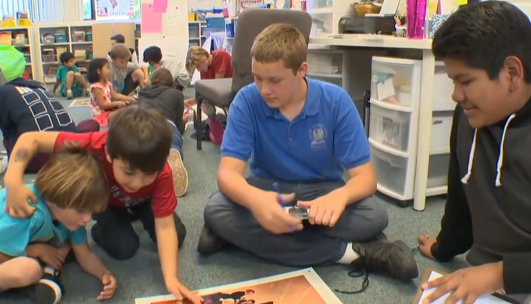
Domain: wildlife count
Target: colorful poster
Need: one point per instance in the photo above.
(160, 6)
(116, 9)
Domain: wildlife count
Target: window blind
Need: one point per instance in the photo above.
(38, 10)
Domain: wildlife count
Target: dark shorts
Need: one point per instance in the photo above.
(129, 85)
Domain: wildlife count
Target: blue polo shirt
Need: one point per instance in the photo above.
(323, 140)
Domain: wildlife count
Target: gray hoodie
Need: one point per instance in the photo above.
(168, 101)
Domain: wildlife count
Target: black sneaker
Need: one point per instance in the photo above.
(48, 290)
(209, 242)
(386, 257)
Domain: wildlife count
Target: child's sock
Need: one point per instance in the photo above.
(48, 290)
(69, 94)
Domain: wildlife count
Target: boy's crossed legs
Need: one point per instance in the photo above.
(114, 232)
(73, 81)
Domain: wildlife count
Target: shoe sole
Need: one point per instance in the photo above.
(205, 246)
(408, 265)
(46, 292)
(179, 173)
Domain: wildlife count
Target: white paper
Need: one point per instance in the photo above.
(180, 4)
(176, 23)
(486, 299)
(385, 89)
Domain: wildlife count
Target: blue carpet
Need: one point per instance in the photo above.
(141, 276)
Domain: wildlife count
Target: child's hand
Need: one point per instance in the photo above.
(109, 286)
(51, 256)
(120, 104)
(181, 293)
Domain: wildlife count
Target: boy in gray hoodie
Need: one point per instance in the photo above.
(162, 96)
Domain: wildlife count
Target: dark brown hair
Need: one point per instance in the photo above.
(74, 179)
(139, 137)
(162, 76)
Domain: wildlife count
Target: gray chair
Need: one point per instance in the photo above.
(220, 92)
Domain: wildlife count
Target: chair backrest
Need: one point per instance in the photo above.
(252, 22)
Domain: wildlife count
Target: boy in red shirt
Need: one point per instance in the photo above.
(134, 154)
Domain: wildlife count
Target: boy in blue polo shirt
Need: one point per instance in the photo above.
(300, 135)
(67, 190)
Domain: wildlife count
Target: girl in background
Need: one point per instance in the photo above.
(216, 65)
(102, 93)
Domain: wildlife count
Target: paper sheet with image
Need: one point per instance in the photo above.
(486, 299)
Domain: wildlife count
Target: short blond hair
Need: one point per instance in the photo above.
(280, 41)
(74, 179)
(194, 56)
(120, 51)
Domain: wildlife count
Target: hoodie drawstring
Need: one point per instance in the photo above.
(499, 163)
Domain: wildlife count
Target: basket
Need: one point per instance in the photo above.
(363, 9)
(7, 23)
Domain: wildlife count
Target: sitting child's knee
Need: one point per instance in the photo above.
(29, 271)
(70, 73)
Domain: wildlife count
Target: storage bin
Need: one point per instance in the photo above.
(391, 172)
(23, 22)
(20, 41)
(438, 170)
(215, 23)
(191, 17)
(48, 58)
(325, 62)
(60, 38)
(229, 29)
(5, 38)
(27, 58)
(394, 80)
(78, 36)
(322, 25)
(47, 39)
(389, 127)
(88, 36)
(441, 128)
(443, 87)
(316, 4)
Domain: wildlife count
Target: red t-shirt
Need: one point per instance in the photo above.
(160, 192)
(221, 62)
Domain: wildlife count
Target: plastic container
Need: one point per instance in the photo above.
(391, 171)
(229, 29)
(47, 39)
(389, 127)
(215, 23)
(88, 36)
(60, 38)
(191, 17)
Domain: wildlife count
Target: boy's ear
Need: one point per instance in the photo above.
(107, 156)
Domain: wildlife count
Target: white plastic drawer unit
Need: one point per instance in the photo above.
(443, 87)
(325, 63)
(319, 4)
(441, 127)
(438, 171)
(389, 129)
(395, 81)
(395, 174)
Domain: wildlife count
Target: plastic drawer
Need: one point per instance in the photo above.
(325, 62)
(316, 4)
(441, 128)
(322, 24)
(438, 170)
(389, 128)
(443, 88)
(333, 80)
(391, 171)
(394, 80)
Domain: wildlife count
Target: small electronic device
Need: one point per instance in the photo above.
(381, 25)
(298, 212)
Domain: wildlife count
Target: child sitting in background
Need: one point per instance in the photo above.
(126, 76)
(102, 92)
(68, 79)
(68, 189)
(120, 39)
(163, 97)
(212, 66)
(153, 56)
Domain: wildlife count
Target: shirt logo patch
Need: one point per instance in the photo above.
(318, 136)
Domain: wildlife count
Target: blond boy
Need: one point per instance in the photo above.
(126, 76)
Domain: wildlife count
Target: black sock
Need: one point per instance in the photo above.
(49, 289)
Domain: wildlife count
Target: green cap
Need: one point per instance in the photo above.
(12, 62)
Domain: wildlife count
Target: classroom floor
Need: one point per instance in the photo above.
(141, 276)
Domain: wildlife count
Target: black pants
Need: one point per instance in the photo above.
(114, 232)
(129, 85)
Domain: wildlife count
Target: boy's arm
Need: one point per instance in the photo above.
(57, 79)
(86, 259)
(455, 236)
(236, 148)
(26, 147)
(163, 202)
(89, 262)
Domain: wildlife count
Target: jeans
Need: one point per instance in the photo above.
(314, 245)
(177, 139)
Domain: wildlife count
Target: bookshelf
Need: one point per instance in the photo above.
(21, 38)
